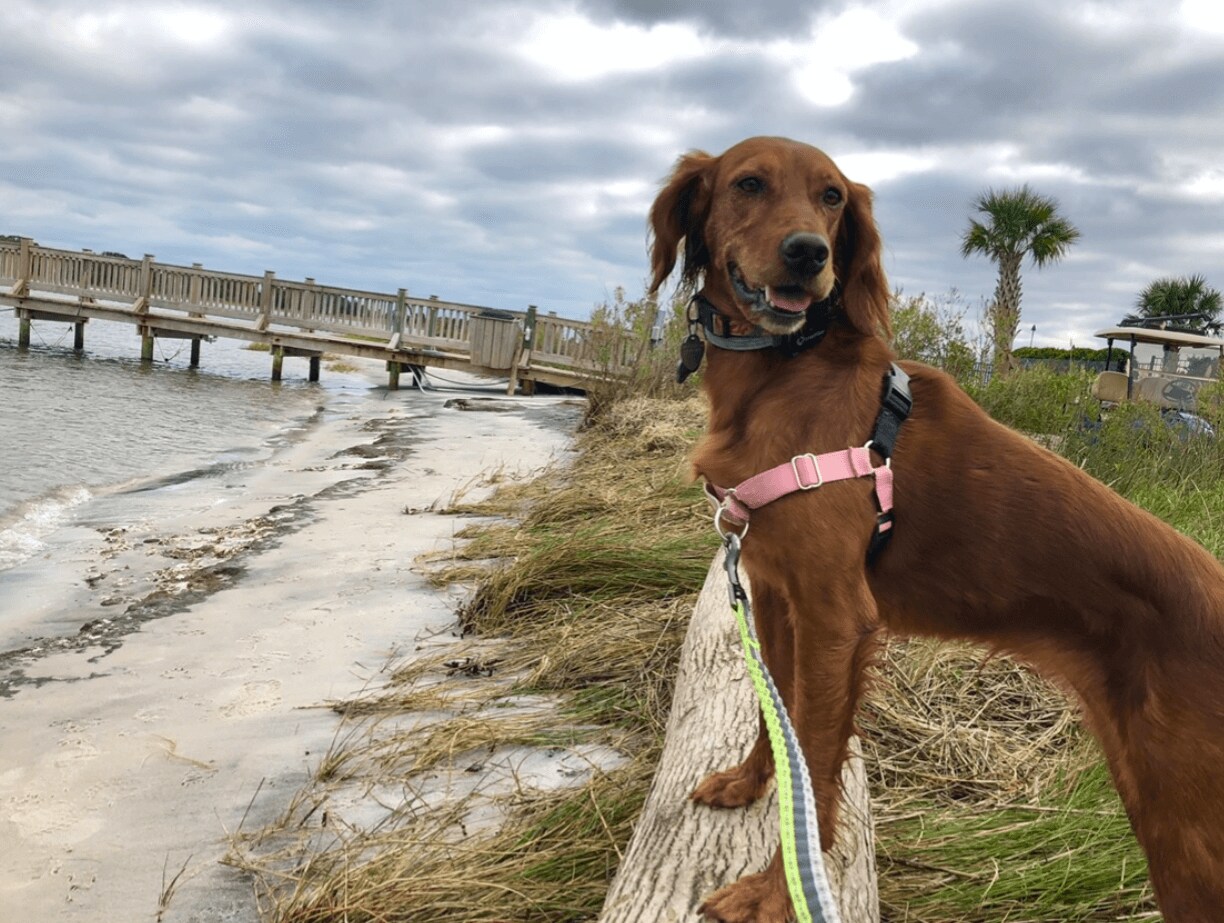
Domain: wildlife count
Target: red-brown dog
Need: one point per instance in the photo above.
(996, 540)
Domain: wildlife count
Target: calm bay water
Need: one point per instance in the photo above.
(72, 428)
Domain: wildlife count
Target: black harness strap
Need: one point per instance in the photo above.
(895, 407)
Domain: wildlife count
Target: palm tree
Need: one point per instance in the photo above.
(1018, 223)
(1180, 299)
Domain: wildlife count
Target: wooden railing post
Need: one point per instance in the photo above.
(82, 279)
(529, 328)
(523, 360)
(397, 324)
(310, 303)
(265, 303)
(195, 288)
(145, 286)
(25, 269)
(431, 328)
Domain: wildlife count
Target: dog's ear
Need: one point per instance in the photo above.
(679, 213)
(864, 287)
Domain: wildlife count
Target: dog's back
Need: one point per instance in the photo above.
(1000, 541)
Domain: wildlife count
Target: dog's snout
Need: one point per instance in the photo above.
(805, 254)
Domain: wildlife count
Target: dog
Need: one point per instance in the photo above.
(996, 540)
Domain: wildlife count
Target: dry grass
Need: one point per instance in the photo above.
(944, 722)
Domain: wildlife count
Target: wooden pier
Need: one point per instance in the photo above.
(301, 319)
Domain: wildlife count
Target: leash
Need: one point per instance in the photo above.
(806, 879)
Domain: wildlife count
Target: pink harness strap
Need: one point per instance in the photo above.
(804, 472)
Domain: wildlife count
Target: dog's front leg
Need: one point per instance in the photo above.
(835, 641)
(743, 784)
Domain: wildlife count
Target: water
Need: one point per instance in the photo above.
(75, 428)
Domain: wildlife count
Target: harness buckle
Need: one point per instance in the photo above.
(815, 464)
(897, 396)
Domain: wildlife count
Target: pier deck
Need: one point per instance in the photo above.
(301, 318)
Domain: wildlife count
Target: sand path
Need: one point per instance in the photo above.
(128, 754)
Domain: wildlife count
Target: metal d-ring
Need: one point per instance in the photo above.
(887, 458)
(725, 535)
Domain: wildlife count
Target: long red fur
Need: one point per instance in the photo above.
(997, 540)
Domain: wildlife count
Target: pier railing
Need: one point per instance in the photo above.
(268, 303)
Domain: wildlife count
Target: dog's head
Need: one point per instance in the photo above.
(769, 228)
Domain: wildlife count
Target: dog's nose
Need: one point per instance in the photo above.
(805, 254)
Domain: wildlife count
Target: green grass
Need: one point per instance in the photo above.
(1070, 857)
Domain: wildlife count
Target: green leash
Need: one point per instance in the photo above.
(801, 857)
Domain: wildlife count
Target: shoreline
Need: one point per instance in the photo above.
(195, 701)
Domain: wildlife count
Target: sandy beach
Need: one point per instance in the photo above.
(166, 670)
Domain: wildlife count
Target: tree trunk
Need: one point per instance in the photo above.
(682, 852)
(1005, 312)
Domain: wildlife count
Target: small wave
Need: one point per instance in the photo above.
(178, 478)
(23, 531)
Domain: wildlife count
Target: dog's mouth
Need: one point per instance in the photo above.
(778, 308)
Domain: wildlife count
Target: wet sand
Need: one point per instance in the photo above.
(166, 665)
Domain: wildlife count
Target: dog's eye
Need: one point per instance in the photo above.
(752, 185)
(832, 196)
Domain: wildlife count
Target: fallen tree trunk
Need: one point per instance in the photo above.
(681, 852)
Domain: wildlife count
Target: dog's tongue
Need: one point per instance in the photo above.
(795, 304)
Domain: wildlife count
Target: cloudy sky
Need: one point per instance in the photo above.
(503, 153)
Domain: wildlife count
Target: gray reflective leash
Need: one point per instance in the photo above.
(801, 856)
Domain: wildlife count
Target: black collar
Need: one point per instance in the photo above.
(717, 328)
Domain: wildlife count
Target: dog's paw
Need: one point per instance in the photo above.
(759, 898)
(731, 788)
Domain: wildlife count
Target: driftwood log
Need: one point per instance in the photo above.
(681, 852)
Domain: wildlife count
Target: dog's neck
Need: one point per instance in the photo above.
(827, 396)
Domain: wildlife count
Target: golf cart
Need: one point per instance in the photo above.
(1162, 366)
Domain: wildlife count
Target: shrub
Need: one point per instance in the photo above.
(1038, 400)
(646, 333)
(932, 330)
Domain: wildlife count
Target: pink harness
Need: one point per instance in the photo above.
(803, 472)
(734, 506)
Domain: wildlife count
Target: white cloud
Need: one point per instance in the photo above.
(196, 26)
(824, 63)
(1202, 15)
(876, 167)
(573, 47)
